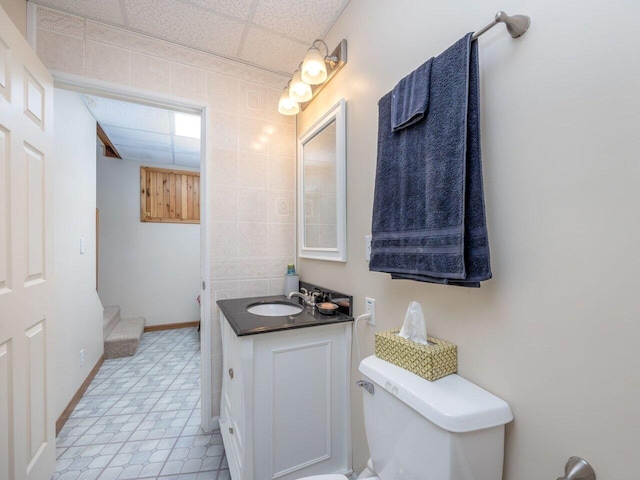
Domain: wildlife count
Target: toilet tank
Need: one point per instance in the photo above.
(449, 429)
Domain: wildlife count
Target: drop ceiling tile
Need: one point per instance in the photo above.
(234, 8)
(185, 24)
(108, 11)
(144, 155)
(109, 112)
(138, 138)
(272, 51)
(186, 145)
(305, 21)
(188, 160)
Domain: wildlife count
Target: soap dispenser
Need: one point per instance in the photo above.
(291, 280)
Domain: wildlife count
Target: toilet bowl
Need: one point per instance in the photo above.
(449, 429)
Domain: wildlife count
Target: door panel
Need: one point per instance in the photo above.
(34, 97)
(37, 413)
(26, 127)
(34, 164)
(4, 68)
(5, 233)
(6, 393)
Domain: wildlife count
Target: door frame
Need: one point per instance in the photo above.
(96, 87)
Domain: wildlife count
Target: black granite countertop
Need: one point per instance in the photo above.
(245, 323)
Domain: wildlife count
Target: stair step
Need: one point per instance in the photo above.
(110, 318)
(124, 338)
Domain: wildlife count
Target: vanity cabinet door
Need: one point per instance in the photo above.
(285, 402)
(302, 408)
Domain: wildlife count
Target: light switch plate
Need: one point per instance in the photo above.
(83, 245)
(367, 246)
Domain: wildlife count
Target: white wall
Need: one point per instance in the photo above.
(151, 270)
(17, 11)
(555, 333)
(78, 311)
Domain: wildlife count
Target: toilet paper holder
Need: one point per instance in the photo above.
(578, 469)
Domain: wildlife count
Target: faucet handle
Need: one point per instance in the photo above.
(304, 291)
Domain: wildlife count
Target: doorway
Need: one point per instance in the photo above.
(148, 194)
(184, 153)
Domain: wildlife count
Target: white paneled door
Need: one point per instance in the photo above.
(27, 431)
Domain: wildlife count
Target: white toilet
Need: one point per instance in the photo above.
(449, 429)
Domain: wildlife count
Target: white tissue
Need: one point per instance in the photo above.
(414, 327)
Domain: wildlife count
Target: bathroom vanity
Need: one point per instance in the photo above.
(285, 406)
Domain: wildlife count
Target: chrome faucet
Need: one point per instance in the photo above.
(309, 299)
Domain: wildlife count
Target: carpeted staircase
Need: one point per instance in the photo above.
(121, 335)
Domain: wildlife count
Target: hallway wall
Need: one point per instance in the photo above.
(78, 311)
(151, 270)
(555, 332)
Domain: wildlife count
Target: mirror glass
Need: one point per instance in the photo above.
(320, 189)
(321, 172)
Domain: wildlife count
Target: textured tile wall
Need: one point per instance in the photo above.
(251, 175)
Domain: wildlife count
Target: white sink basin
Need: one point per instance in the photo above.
(274, 309)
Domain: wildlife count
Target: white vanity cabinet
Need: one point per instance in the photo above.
(285, 410)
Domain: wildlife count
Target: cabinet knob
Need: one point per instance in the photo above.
(231, 373)
(231, 430)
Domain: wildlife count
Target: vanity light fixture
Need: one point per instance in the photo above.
(287, 106)
(311, 76)
(299, 91)
(314, 70)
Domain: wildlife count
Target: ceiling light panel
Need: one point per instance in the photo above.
(187, 125)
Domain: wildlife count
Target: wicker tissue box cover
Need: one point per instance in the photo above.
(428, 361)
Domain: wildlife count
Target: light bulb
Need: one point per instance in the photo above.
(298, 90)
(314, 69)
(287, 106)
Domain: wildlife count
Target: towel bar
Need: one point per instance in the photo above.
(578, 469)
(517, 25)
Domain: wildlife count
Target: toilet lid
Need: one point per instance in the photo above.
(325, 477)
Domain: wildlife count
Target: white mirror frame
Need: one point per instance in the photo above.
(339, 254)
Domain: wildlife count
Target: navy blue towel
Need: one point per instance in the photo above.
(428, 215)
(410, 98)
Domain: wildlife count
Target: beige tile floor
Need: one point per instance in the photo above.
(140, 418)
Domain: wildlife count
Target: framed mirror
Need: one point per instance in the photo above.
(322, 190)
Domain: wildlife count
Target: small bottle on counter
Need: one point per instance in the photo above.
(291, 280)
